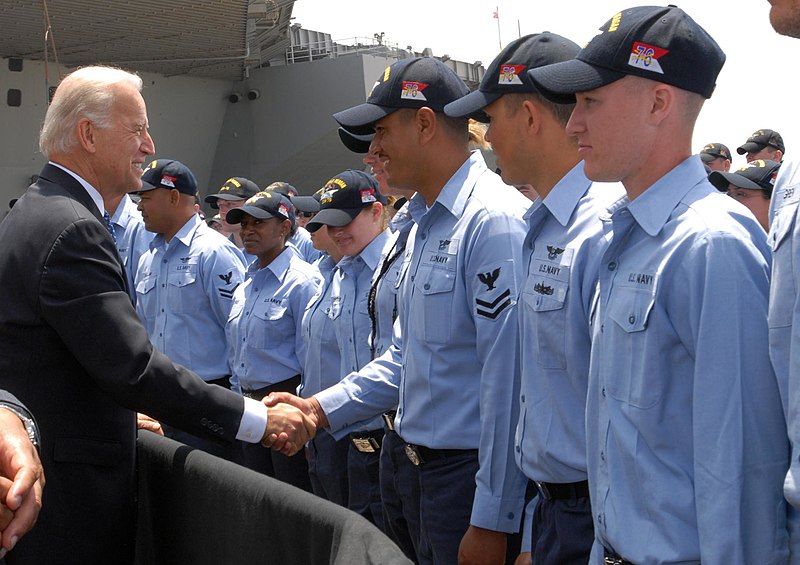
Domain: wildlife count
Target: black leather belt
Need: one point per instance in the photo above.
(419, 454)
(611, 558)
(563, 491)
(224, 382)
(289, 385)
(367, 442)
(388, 419)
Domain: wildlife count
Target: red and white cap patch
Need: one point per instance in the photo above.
(167, 180)
(509, 74)
(368, 195)
(413, 90)
(645, 57)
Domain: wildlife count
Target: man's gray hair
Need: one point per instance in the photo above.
(86, 93)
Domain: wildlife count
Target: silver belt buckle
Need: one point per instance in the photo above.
(363, 445)
(612, 561)
(413, 455)
(389, 421)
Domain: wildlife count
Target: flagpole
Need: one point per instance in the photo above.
(497, 16)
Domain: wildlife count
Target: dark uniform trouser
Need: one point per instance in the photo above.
(562, 529)
(327, 467)
(447, 492)
(363, 472)
(400, 494)
(292, 470)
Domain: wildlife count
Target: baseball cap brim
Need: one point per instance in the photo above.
(356, 143)
(336, 217)
(359, 119)
(750, 147)
(721, 180)
(235, 216)
(560, 81)
(472, 105)
(708, 157)
(146, 186)
(306, 203)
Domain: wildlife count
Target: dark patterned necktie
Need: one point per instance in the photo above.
(110, 226)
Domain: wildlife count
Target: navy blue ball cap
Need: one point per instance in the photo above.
(343, 198)
(282, 187)
(659, 43)
(264, 205)
(761, 139)
(757, 175)
(508, 72)
(235, 188)
(169, 174)
(356, 143)
(416, 82)
(715, 151)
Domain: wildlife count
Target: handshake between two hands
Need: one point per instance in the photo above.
(291, 422)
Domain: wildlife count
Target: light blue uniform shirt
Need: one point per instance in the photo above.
(322, 349)
(784, 308)
(388, 282)
(184, 293)
(456, 360)
(685, 432)
(264, 328)
(133, 240)
(351, 322)
(561, 254)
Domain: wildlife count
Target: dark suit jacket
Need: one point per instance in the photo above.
(72, 346)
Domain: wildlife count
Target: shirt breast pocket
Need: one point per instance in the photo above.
(146, 295)
(433, 321)
(630, 309)
(181, 292)
(546, 303)
(275, 324)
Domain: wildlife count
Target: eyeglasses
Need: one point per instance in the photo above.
(305, 214)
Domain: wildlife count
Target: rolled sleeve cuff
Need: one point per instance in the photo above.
(497, 514)
(254, 422)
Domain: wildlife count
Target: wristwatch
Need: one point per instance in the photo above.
(30, 425)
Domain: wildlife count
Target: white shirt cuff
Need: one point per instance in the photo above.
(254, 421)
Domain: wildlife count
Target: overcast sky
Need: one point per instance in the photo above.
(757, 88)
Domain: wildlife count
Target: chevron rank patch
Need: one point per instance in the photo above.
(495, 290)
(227, 278)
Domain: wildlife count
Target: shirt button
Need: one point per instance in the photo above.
(517, 448)
(602, 456)
(164, 261)
(399, 410)
(510, 515)
(523, 398)
(423, 236)
(162, 310)
(426, 286)
(631, 319)
(163, 285)
(612, 265)
(603, 392)
(602, 327)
